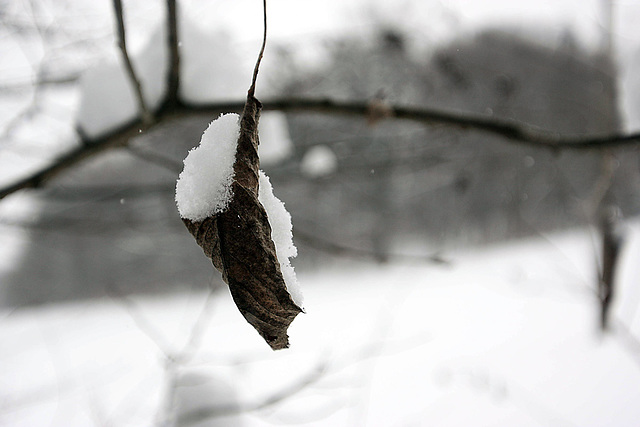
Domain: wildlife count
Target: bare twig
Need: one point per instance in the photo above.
(611, 245)
(27, 85)
(166, 415)
(512, 131)
(630, 342)
(156, 158)
(33, 107)
(122, 44)
(141, 321)
(173, 76)
(199, 415)
(371, 350)
(338, 249)
(198, 328)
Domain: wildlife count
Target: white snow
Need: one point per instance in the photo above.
(319, 161)
(282, 236)
(204, 185)
(503, 337)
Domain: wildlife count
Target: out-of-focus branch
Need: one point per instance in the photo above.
(199, 415)
(85, 150)
(122, 44)
(511, 131)
(611, 248)
(372, 350)
(33, 107)
(338, 249)
(156, 158)
(141, 321)
(165, 413)
(27, 85)
(173, 76)
(630, 342)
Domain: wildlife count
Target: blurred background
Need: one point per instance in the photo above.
(474, 256)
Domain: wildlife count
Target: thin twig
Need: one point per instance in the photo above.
(367, 351)
(611, 248)
(156, 158)
(252, 89)
(27, 85)
(141, 321)
(629, 341)
(338, 249)
(166, 412)
(512, 131)
(32, 108)
(122, 44)
(199, 415)
(198, 328)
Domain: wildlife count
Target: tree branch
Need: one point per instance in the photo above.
(85, 150)
(122, 44)
(173, 77)
(512, 131)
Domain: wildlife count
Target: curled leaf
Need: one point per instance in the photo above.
(238, 242)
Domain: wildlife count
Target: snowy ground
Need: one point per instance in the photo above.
(505, 337)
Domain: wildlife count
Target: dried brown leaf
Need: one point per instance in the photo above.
(238, 242)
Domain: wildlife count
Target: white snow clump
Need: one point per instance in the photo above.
(282, 236)
(204, 185)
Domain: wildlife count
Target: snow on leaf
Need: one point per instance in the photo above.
(282, 235)
(204, 185)
(238, 241)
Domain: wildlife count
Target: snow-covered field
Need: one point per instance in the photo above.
(506, 336)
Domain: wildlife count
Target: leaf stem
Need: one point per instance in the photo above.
(252, 89)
